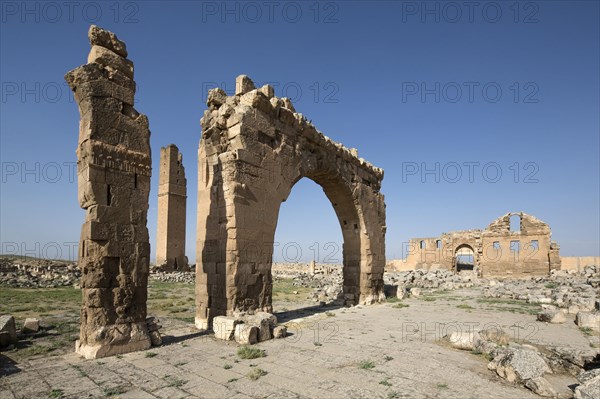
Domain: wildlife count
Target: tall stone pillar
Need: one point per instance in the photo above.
(114, 168)
(170, 236)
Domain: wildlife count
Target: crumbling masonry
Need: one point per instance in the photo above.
(114, 168)
(495, 251)
(170, 235)
(254, 148)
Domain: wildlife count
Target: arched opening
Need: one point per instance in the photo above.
(464, 258)
(515, 223)
(307, 230)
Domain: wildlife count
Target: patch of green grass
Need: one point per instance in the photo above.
(246, 352)
(256, 373)
(56, 393)
(232, 380)
(366, 365)
(387, 358)
(109, 392)
(80, 370)
(393, 395)
(150, 354)
(284, 288)
(175, 382)
(227, 366)
(317, 344)
(442, 386)
(179, 364)
(119, 356)
(400, 305)
(586, 331)
(385, 382)
(486, 356)
(392, 299)
(428, 298)
(465, 306)
(551, 285)
(330, 314)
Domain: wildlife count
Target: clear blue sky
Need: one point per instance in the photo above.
(411, 89)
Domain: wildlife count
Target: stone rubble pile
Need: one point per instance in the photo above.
(408, 282)
(49, 274)
(8, 329)
(326, 280)
(571, 291)
(527, 365)
(248, 329)
(173, 277)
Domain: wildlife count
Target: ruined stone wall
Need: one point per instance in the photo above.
(254, 148)
(531, 259)
(172, 194)
(114, 168)
(578, 263)
(491, 247)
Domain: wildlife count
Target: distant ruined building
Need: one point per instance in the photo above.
(494, 251)
(172, 194)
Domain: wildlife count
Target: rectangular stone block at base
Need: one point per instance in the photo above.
(224, 327)
(105, 350)
(201, 324)
(107, 339)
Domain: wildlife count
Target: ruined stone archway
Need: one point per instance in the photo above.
(254, 148)
(464, 258)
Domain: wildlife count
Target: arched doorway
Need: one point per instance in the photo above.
(253, 150)
(464, 258)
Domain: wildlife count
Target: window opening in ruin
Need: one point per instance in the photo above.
(515, 223)
(515, 246)
(422, 244)
(465, 259)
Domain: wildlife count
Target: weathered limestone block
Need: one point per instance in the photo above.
(280, 332)
(552, 315)
(224, 327)
(31, 325)
(519, 365)
(246, 334)
(243, 84)
(588, 320)
(8, 331)
(265, 323)
(541, 386)
(106, 39)
(589, 389)
(465, 340)
(114, 168)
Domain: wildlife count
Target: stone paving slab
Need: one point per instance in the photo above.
(412, 364)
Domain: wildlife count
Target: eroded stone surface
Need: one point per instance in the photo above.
(114, 168)
(254, 148)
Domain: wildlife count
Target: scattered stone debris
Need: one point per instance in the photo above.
(21, 272)
(153, 326)
(248, 329)
(31, 325)
(551, 314)
(8, 331)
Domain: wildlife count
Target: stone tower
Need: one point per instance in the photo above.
(113, 169)
(170, 236)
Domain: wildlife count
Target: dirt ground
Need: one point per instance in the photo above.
(390, 350)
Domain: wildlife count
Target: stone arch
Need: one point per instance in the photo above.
(464, 250)
(253, 150)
